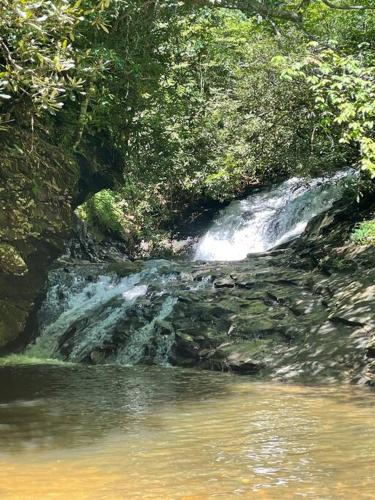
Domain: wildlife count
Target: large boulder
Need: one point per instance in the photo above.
(41, 181)
(38, 182)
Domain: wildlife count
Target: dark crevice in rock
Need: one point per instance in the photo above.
(346, 322)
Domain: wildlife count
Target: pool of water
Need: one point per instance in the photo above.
(74, 432)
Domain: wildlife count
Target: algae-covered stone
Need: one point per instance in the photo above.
(11, 261)
(39, 187)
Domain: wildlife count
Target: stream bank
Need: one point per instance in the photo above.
(301, 312)
(42, 180)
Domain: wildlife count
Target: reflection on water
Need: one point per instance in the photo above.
(109, 432)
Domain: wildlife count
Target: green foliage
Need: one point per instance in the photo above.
(343, 29)
(344, 88)
(364, 233)
(221, 116)
(340, 71)
(197, 102)
(42, 61)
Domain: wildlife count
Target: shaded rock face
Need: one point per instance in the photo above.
(39, 186)
(84, 247)
(276, 315)
(278, 320)
(303, 311)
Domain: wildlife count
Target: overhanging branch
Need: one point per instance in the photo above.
(333, 5)
(266, 10)
(250, 7)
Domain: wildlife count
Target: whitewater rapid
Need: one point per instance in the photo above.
(269, 218)
(91, 313)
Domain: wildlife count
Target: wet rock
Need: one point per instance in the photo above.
(185, 351)
(275, 329)
(248, 284)
(224, 283)
(243, 366)
(164, 328)
(97, 357)
(370, 347)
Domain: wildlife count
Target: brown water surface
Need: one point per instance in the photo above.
(161, 433)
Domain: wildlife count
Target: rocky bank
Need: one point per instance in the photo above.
(41, 180)
(302, 312)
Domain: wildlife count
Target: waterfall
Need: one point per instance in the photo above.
(84, 303)
(269, 218)
(94, 313)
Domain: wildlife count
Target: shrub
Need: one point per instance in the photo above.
(364, 233)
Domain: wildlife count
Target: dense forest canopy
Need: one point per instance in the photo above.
(200, 99)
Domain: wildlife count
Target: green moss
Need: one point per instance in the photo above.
(364, 233)
(108, 211)
(11, 261)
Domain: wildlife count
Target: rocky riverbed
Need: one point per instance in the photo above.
(302, 312)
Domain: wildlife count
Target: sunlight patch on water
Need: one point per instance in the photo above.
(152, 433)
(25, 359)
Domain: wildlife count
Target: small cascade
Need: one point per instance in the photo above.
(94, 304)
(269, 218)
(155, 330)
(138, 312)
(91, 315)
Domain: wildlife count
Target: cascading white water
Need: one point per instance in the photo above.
(91, 314)
(269, 218)
(85, 310)
(133, 352)
(83, 299)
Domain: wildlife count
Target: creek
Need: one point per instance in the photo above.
(143, 312)
(104, 403)
(108, 432)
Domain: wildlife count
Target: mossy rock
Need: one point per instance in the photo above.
(11, 261)
(36, 196)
